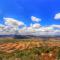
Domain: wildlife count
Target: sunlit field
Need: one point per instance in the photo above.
(29, 49)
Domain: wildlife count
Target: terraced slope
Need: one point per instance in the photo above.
(21, 45)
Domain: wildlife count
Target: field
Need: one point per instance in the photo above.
(29, 49)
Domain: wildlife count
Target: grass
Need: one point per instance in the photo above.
(35, 53)
(30, 54)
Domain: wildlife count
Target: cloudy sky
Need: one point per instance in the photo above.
(33, 17)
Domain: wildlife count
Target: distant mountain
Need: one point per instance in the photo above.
(29, 36)
(34, 36)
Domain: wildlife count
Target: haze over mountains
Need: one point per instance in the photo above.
(29, 18)
(22, 36)
(13, 27)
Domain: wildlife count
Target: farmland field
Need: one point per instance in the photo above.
(29, 49)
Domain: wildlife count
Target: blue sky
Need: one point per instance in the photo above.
(24, 9)
(46, 11)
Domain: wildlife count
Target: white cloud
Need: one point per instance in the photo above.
(56, 26)
(13, 22)
(57, 16)
(36, 25)
(33, 18)
(32, 30)
(22, 30)
(6, 30)
(1, 27)
(47, 30)
(11, 27)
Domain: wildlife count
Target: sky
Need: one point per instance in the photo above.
(35, 17)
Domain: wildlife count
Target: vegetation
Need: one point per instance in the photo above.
(29, 50)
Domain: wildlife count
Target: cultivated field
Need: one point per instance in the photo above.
(29, 49)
